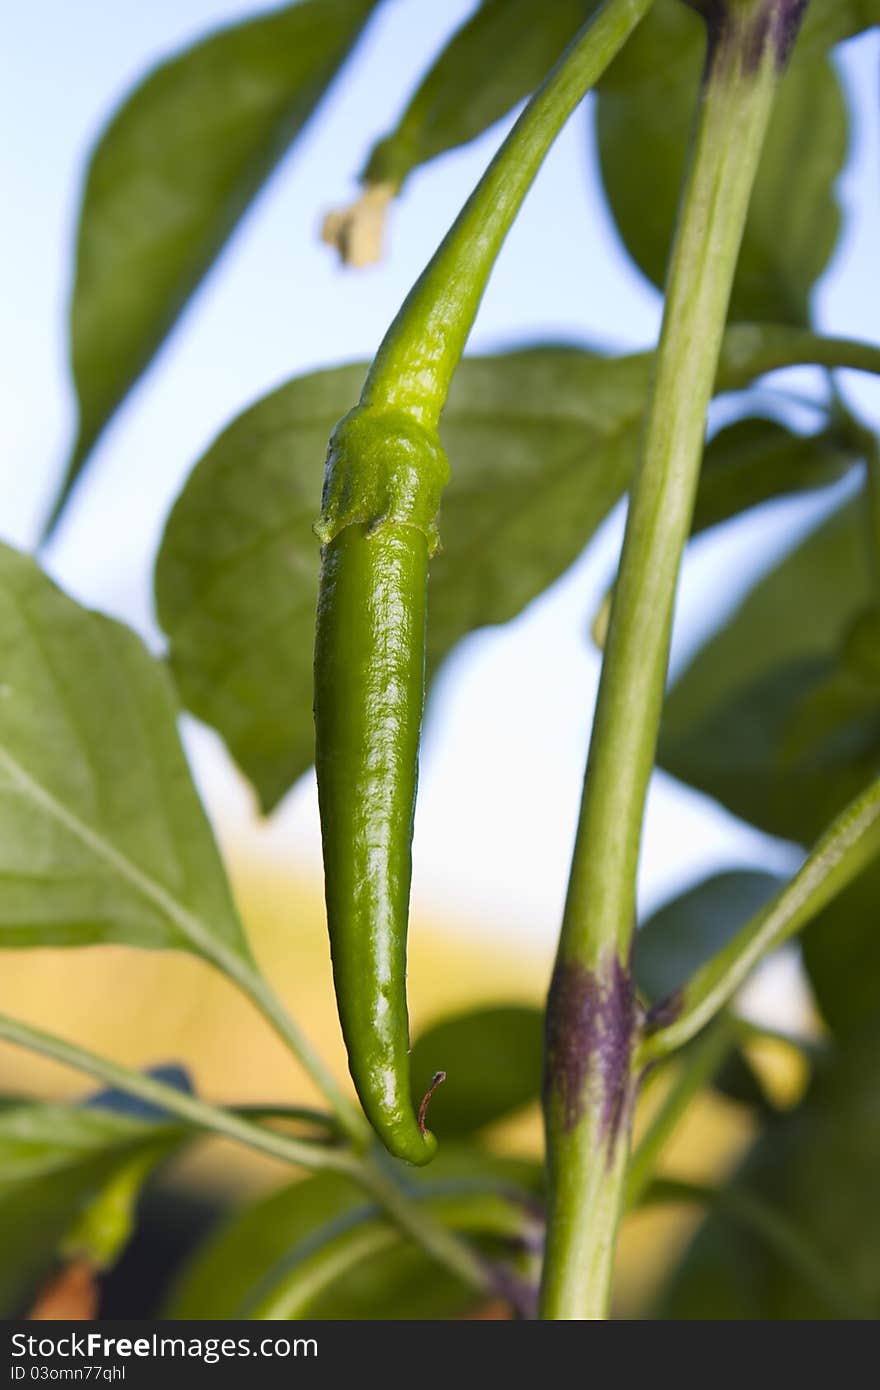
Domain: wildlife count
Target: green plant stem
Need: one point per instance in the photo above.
(446, 1246)
(189, 1109)
(414, 365)
(591, 1027)
(750, 350)
(443, 1245)
(696, 1069)
(846, 848)
(778, 1235)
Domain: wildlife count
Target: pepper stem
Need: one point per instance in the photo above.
(592, 1022)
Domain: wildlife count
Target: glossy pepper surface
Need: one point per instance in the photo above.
(378, 528)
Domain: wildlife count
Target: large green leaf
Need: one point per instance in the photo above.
(56, 1162)
(102, 837)
(255, 1250)
(170, 177)
(541, 444)
(493, 1059)
(842, 955)
(645, 113)
(829, 22)
(816, 1170)
(685, 933)
(318, 1281)
(498, 56)
(778, 717)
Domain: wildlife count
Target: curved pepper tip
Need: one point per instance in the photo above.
(427, 1150)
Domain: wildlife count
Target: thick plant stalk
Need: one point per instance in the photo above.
(378, 528)
(592, 1021)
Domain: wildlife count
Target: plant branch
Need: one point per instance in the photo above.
(845, 849)
(592, 1021)
(696, 1069)
(415, 363)
(292, 1292)
(751, 350)
(192, 1111)
(445, 1246)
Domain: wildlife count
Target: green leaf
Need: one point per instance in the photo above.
(842, 955)
(256, 1248)
(755, 459)
(541, 444)
(232, 1262)
(102, 837)
(498, 56)
(778, 717)
(172, 175)
(730, 724)
(829, 22)
(688, 931)
(645, 111)
(373, 1247)
(816, 1168)
(56, 1162)
(493, 1061)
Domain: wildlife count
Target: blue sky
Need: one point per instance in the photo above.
(506, 739)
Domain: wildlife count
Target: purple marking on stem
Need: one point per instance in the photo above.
(789, 14)
(591, 1026)
(775, 22)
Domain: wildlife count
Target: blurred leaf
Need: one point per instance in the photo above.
(688, 931)
(742, 684)
(842, 955)
(789, 750)
(754, 460)
(232, 1262)
(778, 718)
(397, 1282)
(241, 1263)
(56, 1160)
(318, 1274)
(102, 837)
(497, 57)
(816, 1167)
(493, 1060)
(645, 112)
(541, 444)
(828, 22)
(172, 175)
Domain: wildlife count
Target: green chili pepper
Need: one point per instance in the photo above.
(378, 528)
